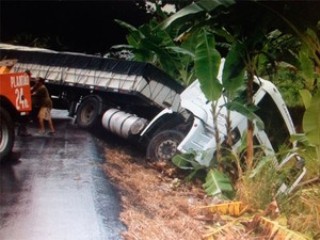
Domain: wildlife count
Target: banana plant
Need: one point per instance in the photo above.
(241, 57)
(311, 120)
(149, 43)
(309, 71)
(311, 124)
(207, 62)
(193, 12)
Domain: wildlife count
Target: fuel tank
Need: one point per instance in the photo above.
(122, 124)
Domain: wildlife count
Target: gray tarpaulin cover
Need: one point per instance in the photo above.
(89, 71)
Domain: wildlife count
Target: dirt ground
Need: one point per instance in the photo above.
(156, 203)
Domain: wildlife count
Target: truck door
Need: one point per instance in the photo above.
(276, 135)
(276, 130)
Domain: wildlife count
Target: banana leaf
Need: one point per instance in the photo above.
(207, 63)
(217, 183)
(311, 121)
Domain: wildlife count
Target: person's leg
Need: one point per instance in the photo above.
(49, 119)
(52, 130)
(34, 114)
(41, 125)
(41, 117)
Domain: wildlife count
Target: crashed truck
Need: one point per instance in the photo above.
(139, 102)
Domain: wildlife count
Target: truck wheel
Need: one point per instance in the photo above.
(163, 146)
(6, 134)
(88, 113)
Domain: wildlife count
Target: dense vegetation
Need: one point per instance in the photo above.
(260, 38)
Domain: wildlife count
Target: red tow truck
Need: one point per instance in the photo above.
(15, 104)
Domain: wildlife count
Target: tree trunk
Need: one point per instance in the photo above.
(250, 129)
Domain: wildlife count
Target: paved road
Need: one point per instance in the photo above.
(56, 189)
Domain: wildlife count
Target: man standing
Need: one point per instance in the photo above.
(42, 97)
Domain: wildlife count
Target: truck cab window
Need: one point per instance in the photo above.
(275, 127)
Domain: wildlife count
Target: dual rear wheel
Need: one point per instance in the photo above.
(88, 113)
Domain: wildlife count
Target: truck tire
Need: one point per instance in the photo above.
(163, 146)
(88, 113)
(6, 134)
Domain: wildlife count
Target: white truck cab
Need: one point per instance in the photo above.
(200, 140)
(272, 111)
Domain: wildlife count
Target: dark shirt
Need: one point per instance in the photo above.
(41, 97)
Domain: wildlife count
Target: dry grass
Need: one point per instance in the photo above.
(157, 205)
(303, 211)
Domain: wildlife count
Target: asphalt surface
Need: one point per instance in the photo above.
(54, 188)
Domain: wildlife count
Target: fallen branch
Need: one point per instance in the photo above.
(309, 182)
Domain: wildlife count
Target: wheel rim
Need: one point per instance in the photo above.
(87, 113)
(167, 149)
(4, 136)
